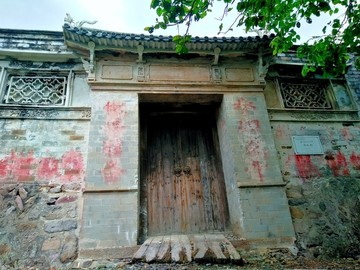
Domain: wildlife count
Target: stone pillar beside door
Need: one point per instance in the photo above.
(256, 195)
(110, 207)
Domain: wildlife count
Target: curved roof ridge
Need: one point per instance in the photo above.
(79, 37)
(98, 33)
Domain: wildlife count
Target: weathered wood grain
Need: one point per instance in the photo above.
(185, 190)
(142, 250)
(164, 253)
(187, 248)
(153, 249)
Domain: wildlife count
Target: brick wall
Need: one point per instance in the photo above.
(46, 151)
(110, 218)
(250, 165)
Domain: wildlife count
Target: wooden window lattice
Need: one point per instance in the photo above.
(36, 90)
(305, 95)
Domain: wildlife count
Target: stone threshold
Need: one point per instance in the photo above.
(129, 252)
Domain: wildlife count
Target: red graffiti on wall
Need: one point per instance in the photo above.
(355, 161)
(112, 146)
(26, 167)
(305, 168)
(21, 164)
(3, 167)
(111, 171)
(48, 168)
(249, 131)
(244, 105)
(250, 125)
(257, 167)
(279, 133)
(72, 165)
(347, 135)
(338, 164)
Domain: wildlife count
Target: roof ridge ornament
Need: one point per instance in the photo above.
(68, 19)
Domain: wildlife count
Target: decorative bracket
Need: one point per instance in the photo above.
(89, 66)
(140, 62)
(216, 71)
(217, 51)
(140, 51)
(91, 45)
(262, 67)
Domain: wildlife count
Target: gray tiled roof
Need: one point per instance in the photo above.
(122, 41)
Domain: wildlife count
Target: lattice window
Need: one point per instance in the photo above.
(304, 94)
(36, 90)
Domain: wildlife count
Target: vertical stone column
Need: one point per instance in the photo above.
(256, 195)
(110, 211)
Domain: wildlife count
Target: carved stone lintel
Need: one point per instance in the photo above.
(141, 72)
(311, 116)
(45, 113)
(216, 73)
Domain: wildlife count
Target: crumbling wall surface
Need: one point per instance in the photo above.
(323, 190)
(42, 168)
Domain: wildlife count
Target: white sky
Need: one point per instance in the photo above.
(128, 16)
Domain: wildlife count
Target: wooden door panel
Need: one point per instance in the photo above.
(184, 180)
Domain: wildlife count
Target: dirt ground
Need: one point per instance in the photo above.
(267, 259)
(267, 263)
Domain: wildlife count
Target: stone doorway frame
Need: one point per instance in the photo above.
(208, 101)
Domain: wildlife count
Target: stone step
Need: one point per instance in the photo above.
(187, 248)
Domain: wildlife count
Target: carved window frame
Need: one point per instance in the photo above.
(7, 75)
(330, 95)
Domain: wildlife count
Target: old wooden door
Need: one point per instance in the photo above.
(184, 180)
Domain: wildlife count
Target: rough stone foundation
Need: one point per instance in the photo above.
(39, 225)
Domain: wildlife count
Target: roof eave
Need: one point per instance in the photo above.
(79, 38)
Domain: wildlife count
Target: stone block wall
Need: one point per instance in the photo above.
(322, 190)
(256, 196)
(39, 225)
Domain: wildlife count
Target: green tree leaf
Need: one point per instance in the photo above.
(281, 17)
